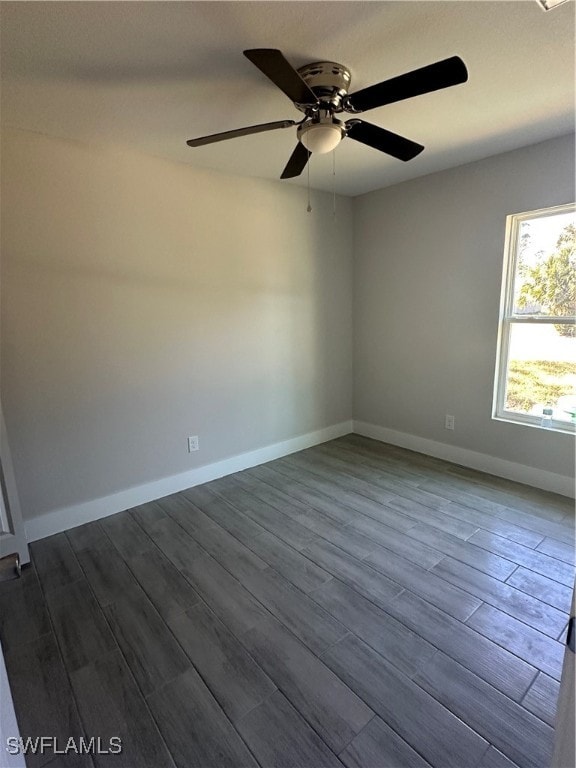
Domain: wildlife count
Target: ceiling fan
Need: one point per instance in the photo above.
(320, 91)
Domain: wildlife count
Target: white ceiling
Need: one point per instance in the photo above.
(153, 74)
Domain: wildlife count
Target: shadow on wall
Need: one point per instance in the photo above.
(145, 301)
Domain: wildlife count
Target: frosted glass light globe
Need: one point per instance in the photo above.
(320, 138)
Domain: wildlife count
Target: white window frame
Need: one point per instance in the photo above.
(508, 318)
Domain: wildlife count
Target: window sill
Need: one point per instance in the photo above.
(564, 427)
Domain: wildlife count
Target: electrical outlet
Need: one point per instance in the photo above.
(449, 422)
(193, 444)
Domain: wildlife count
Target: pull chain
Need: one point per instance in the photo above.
(309, 208)
(334, 183)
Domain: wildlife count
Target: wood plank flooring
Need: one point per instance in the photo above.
(354, 604)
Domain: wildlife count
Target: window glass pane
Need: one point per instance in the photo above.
(545, 279)
(541, 370)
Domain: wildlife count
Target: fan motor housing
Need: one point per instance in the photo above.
(329, 80)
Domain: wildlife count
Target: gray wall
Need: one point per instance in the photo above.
(144, 301)
(428, 269)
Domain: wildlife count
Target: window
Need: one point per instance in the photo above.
(536, 367)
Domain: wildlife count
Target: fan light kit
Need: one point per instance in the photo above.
(320, 91)
(322, 136)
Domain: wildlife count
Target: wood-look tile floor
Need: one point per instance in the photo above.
(353, 604)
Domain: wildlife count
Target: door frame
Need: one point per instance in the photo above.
(12, 533)
(564, 738)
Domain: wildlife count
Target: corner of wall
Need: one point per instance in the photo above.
(69, 517)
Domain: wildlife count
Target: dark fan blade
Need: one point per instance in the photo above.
(442, 74)
(239, 132)
(297, 162)
(384, 140)
(273, 64)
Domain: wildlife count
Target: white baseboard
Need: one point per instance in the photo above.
(69, 517)
(538, 478)
(61, 519)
